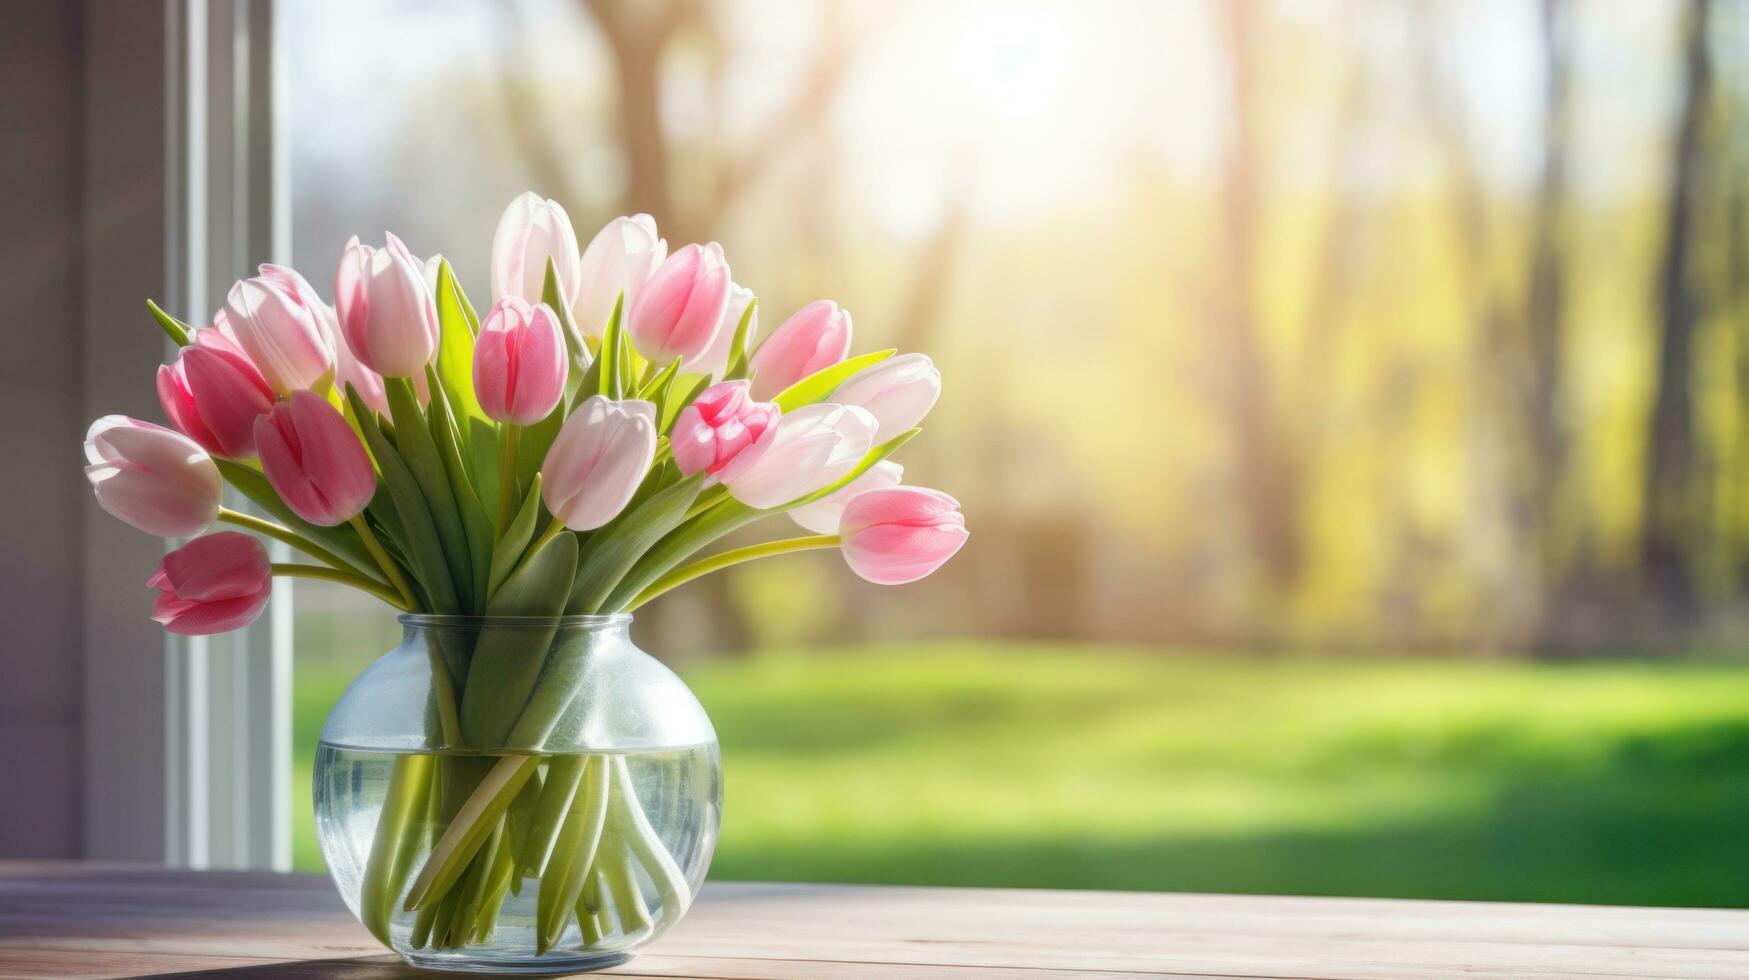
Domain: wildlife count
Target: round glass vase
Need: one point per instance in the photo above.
(517, 795)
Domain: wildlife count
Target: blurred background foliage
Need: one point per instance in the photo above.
(1325, 381)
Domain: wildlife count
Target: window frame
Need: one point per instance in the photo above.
(187, 758)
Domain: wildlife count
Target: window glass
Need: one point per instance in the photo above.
(1334, 528)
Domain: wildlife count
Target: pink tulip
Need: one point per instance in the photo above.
(314, 460)
(715, 360)
(898, 392)
(598, 460)
(281, 332)
(678, 311)
(519, 362)
(153, 478)
(823, 515)
(531, 231)
(814, 337)
(213, 395)
(385, 309)
(620, 259)
(900, 534)
(718, 425)
(804, 451)
(212, 584)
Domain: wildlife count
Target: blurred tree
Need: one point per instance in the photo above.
(1263, 472)
(1671, 526)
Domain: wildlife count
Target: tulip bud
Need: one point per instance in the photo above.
(314, 460)
(823, 515)
(598, 460)
(804, 451)
(531, 231)
(678, 311)
(214, 395)
(620, 259)
(715, 360)
(718, 425)
(282, 334)
(155, 479)
(212, 584)
(900, 534)
(519, 362)
(385, 309)
(898, 392)
(814, 337)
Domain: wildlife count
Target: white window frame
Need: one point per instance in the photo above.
(188, 756)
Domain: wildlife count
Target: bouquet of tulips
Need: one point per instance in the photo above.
(571, 452)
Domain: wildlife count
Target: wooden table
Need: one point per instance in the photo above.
(81, 920)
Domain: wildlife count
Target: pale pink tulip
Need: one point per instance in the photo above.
(282, 334)
(214, 395)
(153, 478)
(212, 584)
(900, 534)
(804, 451)
(519, 362)
(678, 311)
(814, 337)
(385, 308)
(823, 515)
(598, 460)
(314, 460)
(620, 259)
(719, 424)
(898, 392)
(715, 360)
(531, 231)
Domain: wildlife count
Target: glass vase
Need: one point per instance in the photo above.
(517, 795)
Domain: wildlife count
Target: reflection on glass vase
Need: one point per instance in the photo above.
(551, 820)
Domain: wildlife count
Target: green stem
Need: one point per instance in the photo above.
(506, 477)
(705, 566)
(282, 533)
(353, 579)
(387, 564)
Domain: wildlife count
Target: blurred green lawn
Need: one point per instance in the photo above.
(1086, 767)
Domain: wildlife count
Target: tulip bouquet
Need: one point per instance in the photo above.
(572, 452)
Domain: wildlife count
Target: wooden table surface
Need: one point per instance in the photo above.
(83, 920)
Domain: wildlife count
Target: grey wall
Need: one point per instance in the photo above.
(83, 199)
(42, 496)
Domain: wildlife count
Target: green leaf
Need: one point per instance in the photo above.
(594, 381)
(509, 549)
(739, 356)
(507, 662)
(457, 326)
(817, 386)
(425, 551)
(475, 524)
(482, 444)
(342, 540)
(654, 386)
(178, 331)
(686, 389)
(534, 441)
(419, 451)
(609, 362)
(575, 350)
(614, 549)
